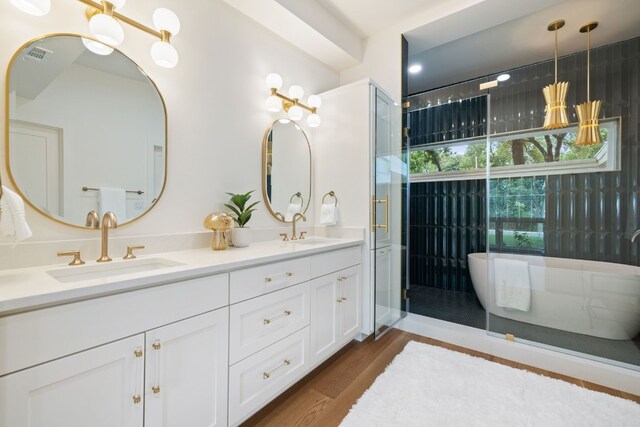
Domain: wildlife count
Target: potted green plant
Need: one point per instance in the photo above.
(241, 235)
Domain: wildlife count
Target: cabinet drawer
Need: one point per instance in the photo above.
(42, 335)
(256, 281)
(257, 379)
(260, 322)
(333, 261)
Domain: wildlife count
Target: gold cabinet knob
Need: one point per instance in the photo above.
(155, 389)
(130, 250)
(137, 399)
(76, 257)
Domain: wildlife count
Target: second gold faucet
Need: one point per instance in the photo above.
(109, 220)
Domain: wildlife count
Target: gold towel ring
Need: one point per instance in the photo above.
(331, 194)
(298, 194)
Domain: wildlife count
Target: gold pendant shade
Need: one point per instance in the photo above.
(555, 94)
(588, 112)
(589, 133)
(556, 109)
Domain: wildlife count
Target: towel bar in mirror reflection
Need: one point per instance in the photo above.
(56, 89)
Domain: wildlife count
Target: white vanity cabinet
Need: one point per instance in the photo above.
(101, 387)
(186, 372)
(335, 312)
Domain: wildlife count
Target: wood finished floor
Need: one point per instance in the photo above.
(324, 397)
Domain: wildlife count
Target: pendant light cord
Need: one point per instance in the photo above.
(588, 64)
(556, 55)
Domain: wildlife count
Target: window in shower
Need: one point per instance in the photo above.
(517, 154)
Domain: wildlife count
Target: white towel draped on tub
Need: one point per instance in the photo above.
(13, 221)
(113, 200)
(512, 284)
(329, 214)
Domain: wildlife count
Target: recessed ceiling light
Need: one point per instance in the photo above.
(503, 77)
(416, 68)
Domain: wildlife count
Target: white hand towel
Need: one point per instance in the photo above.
(512, 284)
(13, 221)
(293, 209)
(329, 214)
(113, 200)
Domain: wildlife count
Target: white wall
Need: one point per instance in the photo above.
(215, 103)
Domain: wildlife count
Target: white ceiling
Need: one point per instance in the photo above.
(368, 17)
(519, 42)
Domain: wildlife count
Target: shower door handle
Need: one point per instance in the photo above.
(374, 203)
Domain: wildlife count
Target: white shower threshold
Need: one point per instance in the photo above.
(599, 372)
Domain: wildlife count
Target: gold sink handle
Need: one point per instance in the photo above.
(130, 250)
(76, 257)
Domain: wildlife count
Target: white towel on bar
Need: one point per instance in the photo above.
(294, 208)
(13, 220)
(329, 214)
(113, 200)
(512, 284)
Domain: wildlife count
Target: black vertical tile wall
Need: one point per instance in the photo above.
(588, 216)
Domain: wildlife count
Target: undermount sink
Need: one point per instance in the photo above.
(116, 268)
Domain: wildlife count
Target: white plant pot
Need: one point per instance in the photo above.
(241, 237)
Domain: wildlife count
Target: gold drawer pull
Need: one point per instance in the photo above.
(266, 375)
(155, 389)
(284, 313)
(137, 399)
(270, 278)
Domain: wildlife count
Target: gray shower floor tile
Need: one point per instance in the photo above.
(465, 309)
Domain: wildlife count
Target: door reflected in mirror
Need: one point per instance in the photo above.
(286, 170)
(86, 131)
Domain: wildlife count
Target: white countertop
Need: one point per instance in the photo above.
(31, 288)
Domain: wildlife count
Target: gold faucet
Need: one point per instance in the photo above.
(108, 221)
(92, 220)
(296, 217)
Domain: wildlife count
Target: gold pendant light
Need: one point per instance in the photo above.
(589, 133)
(555, 94)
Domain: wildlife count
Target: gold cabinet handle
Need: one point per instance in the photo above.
(137, 399)
(374, 203)
(130, 250)
(266, 375)
(155, 389)
(270, 278)
(284, 313)
(76, 257)
(156, 345)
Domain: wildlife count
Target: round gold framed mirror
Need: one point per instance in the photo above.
(86, 131)
(286, 170)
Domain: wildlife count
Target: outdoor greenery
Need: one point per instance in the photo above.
(518, 151)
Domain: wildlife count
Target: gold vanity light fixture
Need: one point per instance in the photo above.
(589, 131)
(104, 24)
(555, 94)
(291, 104)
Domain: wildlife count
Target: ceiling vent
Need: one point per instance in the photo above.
(38, 54)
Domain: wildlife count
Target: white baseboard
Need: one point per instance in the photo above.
(616, 377)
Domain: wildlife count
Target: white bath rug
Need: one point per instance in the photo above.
(432, 386)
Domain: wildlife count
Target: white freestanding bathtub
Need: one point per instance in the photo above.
(586, 297)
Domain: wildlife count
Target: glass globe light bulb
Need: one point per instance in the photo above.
(296, 112)
(164, 54)
(314, 101)
(274, 104)
(313, 120)
(33, 7)
(296, 92)
(97, 47)
(274, 81)
(165, 19)
(106, 29)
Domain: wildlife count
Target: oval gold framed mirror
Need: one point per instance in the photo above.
(86, 131)
(286, 170)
